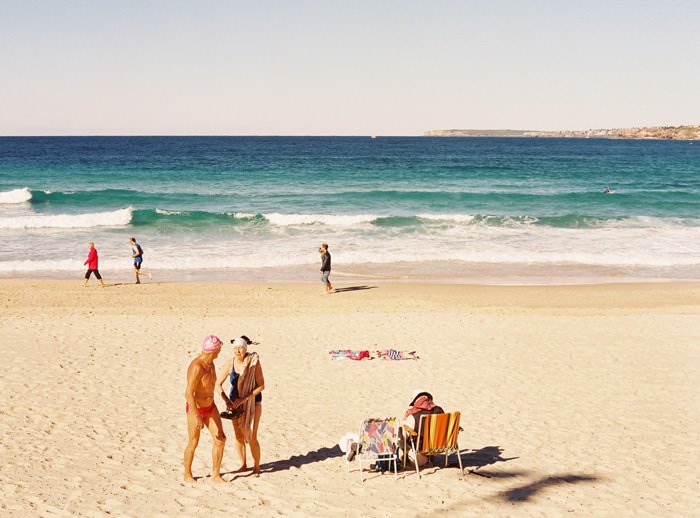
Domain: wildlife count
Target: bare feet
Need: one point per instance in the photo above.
(189, 479)
(217, 479)
(256, 472)
(241, 469)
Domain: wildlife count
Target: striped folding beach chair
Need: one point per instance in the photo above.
(436, 435)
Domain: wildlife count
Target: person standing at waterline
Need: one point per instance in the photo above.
(92, 264)
(137, 255)
(325, 266)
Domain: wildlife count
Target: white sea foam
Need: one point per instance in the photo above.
(164, 212)
(458, 218)
(325, 219)
(15, 196)
(115, 218)
(662, 244)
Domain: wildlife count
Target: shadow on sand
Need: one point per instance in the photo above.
(485, 456)
(354, 288)
(296, 461)
(524, 493)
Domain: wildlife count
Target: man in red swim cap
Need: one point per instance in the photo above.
(201, 409)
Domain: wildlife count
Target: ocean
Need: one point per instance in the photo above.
(485, 210)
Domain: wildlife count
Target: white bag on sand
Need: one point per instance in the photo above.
(345, 440)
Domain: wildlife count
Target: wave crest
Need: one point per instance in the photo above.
(117, 218)
(15, 196)
(327, 219)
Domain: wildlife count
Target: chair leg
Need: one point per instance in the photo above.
(359, 461)
(459, 459)
(415, 456)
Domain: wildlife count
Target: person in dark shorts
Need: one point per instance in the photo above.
(325, 266)
(137, 255)
(92, 264)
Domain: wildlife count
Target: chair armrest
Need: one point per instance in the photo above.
(410, 431)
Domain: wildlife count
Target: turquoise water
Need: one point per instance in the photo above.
(462, 208)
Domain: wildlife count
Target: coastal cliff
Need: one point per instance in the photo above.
(655, 132)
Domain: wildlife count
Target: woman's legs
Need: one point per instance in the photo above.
(240, 444)
(254, 444)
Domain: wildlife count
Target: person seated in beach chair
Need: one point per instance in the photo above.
(421, 404)
(436, 434)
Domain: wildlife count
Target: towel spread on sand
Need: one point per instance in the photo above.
(384, 354)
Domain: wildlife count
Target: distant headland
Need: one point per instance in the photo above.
(652, 132)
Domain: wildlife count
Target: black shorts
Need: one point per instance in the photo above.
(89, 272)
(137, 265)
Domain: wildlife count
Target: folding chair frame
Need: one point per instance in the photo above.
(415, 437)
(368, 456)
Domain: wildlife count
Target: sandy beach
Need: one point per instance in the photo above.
(574, 399)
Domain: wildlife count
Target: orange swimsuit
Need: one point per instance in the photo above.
(203, 411)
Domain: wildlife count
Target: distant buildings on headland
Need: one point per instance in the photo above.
(657, 133)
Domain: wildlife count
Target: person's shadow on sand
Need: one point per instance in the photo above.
(296, 461)
(354, 288)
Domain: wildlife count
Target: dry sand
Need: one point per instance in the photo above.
(575, 399)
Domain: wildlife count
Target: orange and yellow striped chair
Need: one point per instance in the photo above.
(436, 435)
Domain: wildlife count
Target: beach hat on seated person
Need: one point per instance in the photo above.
(418, 393)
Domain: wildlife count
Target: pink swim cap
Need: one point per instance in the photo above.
(211, 344)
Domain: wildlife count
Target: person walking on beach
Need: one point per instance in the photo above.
(244, 400)
(137, 255)
(92, 264)
(201, 409)
(325, 266)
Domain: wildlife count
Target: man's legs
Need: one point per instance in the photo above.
(192, 441)
(326, 281)
(99, 278)
(138, 273)
(216, 429)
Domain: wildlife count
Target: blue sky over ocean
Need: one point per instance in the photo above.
(331, 68)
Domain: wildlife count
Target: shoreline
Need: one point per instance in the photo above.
(426, 272)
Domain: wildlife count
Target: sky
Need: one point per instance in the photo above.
(326, 67)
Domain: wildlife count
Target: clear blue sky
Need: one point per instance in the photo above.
(341, 68)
